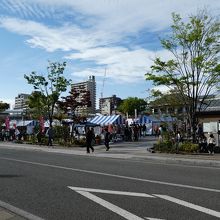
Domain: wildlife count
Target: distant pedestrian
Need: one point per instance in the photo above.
(89, 138)
(17, 134)
(107, 139)
(49, 134)
(39, 137)
(203, 143)
(3, 134)
(211, 144)
(178, 140)
(144, 129)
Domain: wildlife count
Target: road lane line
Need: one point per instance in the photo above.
(189, 205)
(115, 175)
(125, 214)
(153, 218)
(111, 192)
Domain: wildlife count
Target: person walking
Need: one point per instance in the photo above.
(89, 137)
(203, 143)
(107, 139)
(211, 144)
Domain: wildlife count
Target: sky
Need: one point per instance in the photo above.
(114, 40)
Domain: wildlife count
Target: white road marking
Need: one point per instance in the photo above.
(111, 192)
(153, 218)
(110, 206)
(114, 175)
(189, 205)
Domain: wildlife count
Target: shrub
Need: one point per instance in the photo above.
(80, 142)
(189, 147)
(165, 146)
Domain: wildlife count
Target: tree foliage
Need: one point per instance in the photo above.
(194, 68)
(77, 98)
(37, 103)
(4, 106)
(172, 98)
(49, 88)
(129, 105)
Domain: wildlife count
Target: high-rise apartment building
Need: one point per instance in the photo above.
(89, 85)
(109, 105)
(21, 101)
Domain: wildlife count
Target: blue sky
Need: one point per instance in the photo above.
(120, 36)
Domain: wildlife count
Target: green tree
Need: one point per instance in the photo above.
(4, 106)
(194, 68)
(49, 88)
(37, 103)
(129, 105)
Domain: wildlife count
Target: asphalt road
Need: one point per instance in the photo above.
(60, 187)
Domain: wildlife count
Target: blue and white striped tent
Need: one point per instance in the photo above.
(145, 120)
(104, 120)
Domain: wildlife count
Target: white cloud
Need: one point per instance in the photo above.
(119, 15)
(106, 23)
(64, 38)
(122, 65)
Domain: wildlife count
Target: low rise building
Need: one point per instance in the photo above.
(109, 105)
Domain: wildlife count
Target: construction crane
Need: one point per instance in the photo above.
(103, 83)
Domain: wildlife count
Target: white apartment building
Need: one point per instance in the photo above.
(21, 101)
(89, 85)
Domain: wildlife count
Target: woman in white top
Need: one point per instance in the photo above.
(211, 143)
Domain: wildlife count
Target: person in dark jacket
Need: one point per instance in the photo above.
(89, 137)
(49, 134)
(107, 139)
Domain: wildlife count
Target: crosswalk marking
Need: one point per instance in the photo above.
(111, 192)
(122, 212)
(189, 205)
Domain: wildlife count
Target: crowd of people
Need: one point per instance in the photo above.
(113, 133)
(10, 134)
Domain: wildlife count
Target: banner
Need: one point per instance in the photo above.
(7, 123)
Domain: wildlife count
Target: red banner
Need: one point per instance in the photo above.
(7, 123)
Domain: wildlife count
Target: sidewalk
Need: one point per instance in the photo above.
(127, 150)
(5, 214)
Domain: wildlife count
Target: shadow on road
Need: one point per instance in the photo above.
(9, 176)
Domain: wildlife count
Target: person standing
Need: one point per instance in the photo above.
(89, 137)
(107, 139)
(49, 134)
(211, 144)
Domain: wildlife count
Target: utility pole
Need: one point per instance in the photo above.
(103, 83)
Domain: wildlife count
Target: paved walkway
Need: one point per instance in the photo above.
(121, 150)
(126, 150)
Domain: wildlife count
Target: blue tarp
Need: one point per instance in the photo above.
(150, 119)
